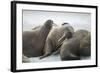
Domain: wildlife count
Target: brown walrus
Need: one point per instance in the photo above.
(70, 49)
(34, 40)
(56, 34)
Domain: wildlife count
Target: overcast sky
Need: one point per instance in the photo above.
(33, 18)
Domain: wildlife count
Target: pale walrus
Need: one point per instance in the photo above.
(70, 49)
(34, 40)
(54, 35)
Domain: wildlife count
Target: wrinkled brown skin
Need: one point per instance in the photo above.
(53, 37)
(34, 40)
(70, 49)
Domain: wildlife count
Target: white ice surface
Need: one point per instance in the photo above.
(50, 59)
(46, 59)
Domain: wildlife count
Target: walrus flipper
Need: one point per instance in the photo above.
(48, 50)
(45, 55)
(56, 52)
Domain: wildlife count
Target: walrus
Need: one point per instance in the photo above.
(34, 40)
(54, 35)
(70, 49)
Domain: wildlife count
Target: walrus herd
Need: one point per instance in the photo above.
(44, 40)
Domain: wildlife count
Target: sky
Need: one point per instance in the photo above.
(32, 18)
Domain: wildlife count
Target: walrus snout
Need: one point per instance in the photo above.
(50, 23)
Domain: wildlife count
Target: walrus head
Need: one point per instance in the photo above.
(45, 29)
(49, 23)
